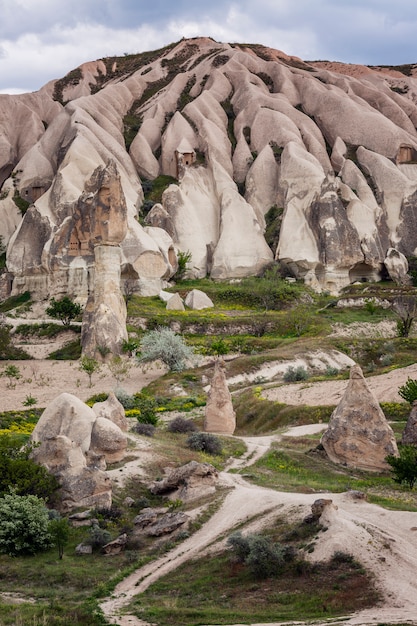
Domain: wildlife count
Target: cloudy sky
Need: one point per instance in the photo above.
(43, 39)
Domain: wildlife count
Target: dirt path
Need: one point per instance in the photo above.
(384, 541)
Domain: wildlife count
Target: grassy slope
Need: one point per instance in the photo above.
(66, 590)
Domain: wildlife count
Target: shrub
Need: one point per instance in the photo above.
(65, 310)
(183, 259)
(263, 557)
(147, 430)
(404, 467)
(90, 366)
(167, 346)
(125, 399)
(147, 406)
(17, 469)
(408, 391)
(204, 442)
(182, 425)
(98, 537)
(294, 374)
(24, 525)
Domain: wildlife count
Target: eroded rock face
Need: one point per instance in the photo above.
(409, 435)
(255, 133)
(113, 410)
(74, 444)
(358, 434)
(219, 415)
(397, 266)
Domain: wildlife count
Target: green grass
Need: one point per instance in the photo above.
(216, 590)
(14, 301)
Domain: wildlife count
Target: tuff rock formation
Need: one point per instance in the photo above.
(241, 130)
(74, 445)
(112, 410)
(198, 300)
(358, 434)
(409, 435)
(188, 482)
(219, 415)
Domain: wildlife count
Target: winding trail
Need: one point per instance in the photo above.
(385, 542)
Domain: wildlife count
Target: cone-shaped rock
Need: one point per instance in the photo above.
(358, 434)
(219, 415)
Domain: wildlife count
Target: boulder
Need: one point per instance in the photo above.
(187, 482)
(198, 300)
(167, 524)
(219, 415)
(66, 415)
(175, 303)
(358, 434)
(409, 435)
(66, 448)
(112, 410)
(397, 266)
(116, 546)
(108, 439)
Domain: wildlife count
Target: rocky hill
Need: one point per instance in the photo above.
(236, 153)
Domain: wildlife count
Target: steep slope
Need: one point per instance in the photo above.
(242, 129)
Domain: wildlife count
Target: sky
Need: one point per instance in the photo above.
(41, 40)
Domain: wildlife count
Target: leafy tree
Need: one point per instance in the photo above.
(90, 366)
(406, 309)
(167, 346)
(19, 470)
(59, 530)
(404, 467)
(408, 391)
(24, 525)
(65, 310)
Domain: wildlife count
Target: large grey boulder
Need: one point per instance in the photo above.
(187, 482)
(108, 439)
(397, 266)
(219, 415)
(358, 434)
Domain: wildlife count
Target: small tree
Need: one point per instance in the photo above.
(65, 310)
(59, 530)
(90, 366)
(24, 525)
(408, 391)
(404, 467)
(13, 373)
(406, 309)
(167, 346)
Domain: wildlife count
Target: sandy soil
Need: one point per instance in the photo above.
(384, 386)
(44, 380)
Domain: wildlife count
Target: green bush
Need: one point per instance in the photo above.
(21, 472)
(204, 442)
(404, 467)
(24, 525)
(65, 310)
(408, 391)
(294, 374)
(182, 425)
(261, 555)
(98, 537)
(146, 430)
